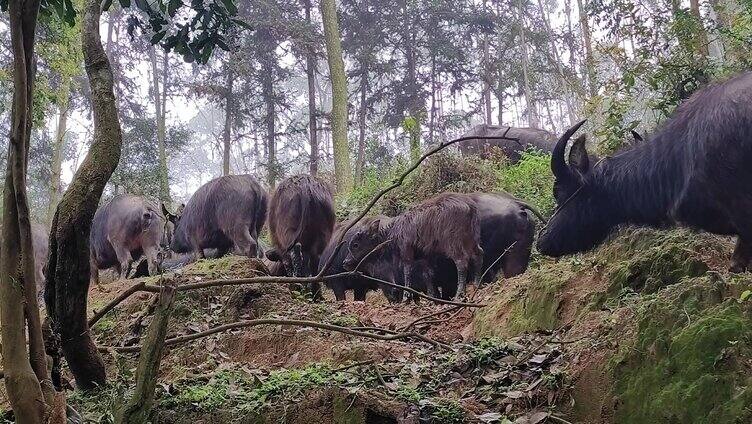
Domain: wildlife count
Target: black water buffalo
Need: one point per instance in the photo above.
(378, 268)
(226, 213)
(445, 225)
(122, 230)
(517, 141)
(301, 221)
(694, 171)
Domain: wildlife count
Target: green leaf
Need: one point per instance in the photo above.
(745, 295)
(156, 38)
(173, 7)
(242, 23)
(232, 9)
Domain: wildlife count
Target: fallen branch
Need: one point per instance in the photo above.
(295, 323)
(417, 293)
(114, 302)
(429, 316)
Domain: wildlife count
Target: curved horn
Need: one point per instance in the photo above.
(558, 164)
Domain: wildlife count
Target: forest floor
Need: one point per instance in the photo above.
(647, 328)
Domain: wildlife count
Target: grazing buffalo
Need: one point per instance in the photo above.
(445, 225)
(694, 171)
(359, 286)
(226, 213)
(517, 140)
(123, 229)
(301, 221)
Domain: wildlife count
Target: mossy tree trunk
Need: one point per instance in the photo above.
(311, 77)
(342, 166)
(229, 110)
(58, 148)
(26, 377)
(160, 108)
(68, 266)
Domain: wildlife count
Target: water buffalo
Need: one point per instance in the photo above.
(301, 221)
(694, 171)
(506, 237)
(226, 213)
(517, 141)
(447, 225)
(122, 230)
(378, 268)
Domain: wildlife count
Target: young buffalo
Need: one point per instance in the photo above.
(506, 237)
(225, 213)
(301, 221)
(694, 171)
(378, 268)
(445, 225)
(122, 230)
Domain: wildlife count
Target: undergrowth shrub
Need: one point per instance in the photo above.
(530, 180)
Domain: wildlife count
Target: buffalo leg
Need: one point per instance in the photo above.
(339, 291)
(477, 263)
(742, 255)
(297, 260)
(360, 294)
(244, 243)
(151, 254)
(461, 265)
(124, 259)
(315, 288)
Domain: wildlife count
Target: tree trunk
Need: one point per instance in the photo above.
(58, 147)
(587, 41)
(532, 111)
(311, 76)
(432, 121)
(414, 107)
(68, 265)
(701, 39)
(360, 164)
(138, 409)
(229, 105)
(566, 89)
(160, 104)
(267, 93)
(27, 380)
(342, 167)
(486, 76)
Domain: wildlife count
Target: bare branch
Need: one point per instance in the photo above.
(296, 323)
(114, 302)
(417, 293)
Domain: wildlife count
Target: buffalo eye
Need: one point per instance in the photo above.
(355, 245)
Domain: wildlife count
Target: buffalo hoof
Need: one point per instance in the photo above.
(737, 268)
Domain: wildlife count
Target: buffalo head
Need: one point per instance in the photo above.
(580, 220)
(171, 223)
(362, 243)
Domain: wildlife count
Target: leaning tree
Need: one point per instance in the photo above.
(193, 30)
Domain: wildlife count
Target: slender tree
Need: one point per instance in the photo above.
(342, 167)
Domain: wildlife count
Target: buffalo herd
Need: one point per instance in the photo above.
(436, 247)
(694, 171)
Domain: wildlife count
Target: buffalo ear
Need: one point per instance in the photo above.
(273, 255)
(578, 156)
(637, 137)
(374, 227)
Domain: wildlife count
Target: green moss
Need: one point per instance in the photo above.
(532, 305)
(689, 361)
(647, 260)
